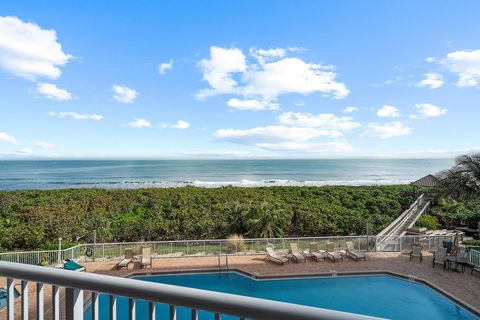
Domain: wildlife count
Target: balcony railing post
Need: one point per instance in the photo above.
(55, 303)
(132, 309)
(24, 300)
(173, 312)
(40, 305)
(151, 310)
(113, 307)
(194, 314)
(95, 306)
(10, 299)
(74, 304)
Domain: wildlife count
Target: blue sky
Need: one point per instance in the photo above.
(238, 79)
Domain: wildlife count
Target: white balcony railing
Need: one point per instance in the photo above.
(76, 284)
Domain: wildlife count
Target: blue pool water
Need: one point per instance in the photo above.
(378, 295)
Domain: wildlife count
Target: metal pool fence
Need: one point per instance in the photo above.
(474, 257)
(182, 248)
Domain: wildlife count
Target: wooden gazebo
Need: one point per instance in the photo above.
(429, 181)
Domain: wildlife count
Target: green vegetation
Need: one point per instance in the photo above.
(457, 198)
(453, 213)
(428, 221)
(462, 181)
(36, 219)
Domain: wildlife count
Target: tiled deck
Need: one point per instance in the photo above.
(464, 287)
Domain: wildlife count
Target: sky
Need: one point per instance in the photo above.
(238, 79)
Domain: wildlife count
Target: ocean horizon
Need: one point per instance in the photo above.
(134, 174)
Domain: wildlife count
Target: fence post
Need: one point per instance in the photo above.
(59, 260)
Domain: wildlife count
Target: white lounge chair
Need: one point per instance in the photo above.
(332, 254)
(315, 253)
(355, 254)
(274, 257)
(296, 254)
(146, 258)
(128, 257)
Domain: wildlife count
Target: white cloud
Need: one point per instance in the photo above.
(270, 75)
(76, 116)
(466, 64)
(430, 59)
(273, 134)
(252, 104)
(218, 69)
(322, 120)
(309, 147)
(387, 130)
(350, 109)
(140, 123)
(51, 91)
(432, 81)
(430, 110)
(181, 124)
(292, 75)
(25, 151)
(124, 94)
(388, 112)
(44, 145)
(28, 51)
(5, 137)
(165, 66)
(263, 55)
(283, 138)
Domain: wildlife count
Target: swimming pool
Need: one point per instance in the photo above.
(375, 295)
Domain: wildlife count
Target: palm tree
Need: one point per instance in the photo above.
(463, 179)
(267, 221)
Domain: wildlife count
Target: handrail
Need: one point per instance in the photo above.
(231, 304)
(399, 221)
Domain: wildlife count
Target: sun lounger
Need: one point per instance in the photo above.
(72, 265)
(272, 256)
(128, 257)
(146, 259)
(355, 254)
(296, 254)
(315, 253)
(416, 252)
(440, 258)
(332, 254)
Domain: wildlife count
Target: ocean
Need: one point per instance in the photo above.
(18, 175)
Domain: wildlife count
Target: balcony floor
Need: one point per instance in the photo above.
(464, 287)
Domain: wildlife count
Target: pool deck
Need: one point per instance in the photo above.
(464, 287)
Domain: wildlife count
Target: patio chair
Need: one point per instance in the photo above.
(315, 253)
(73, 266)
(128, 257)
(416, 252)
(355, 254)
(274, 257)
(440, 258)
(146, 257)
(332, 254)
(296, 254)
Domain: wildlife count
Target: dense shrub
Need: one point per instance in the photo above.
(428, 221)
(36, 219)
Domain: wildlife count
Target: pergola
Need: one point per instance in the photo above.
(429, 181)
